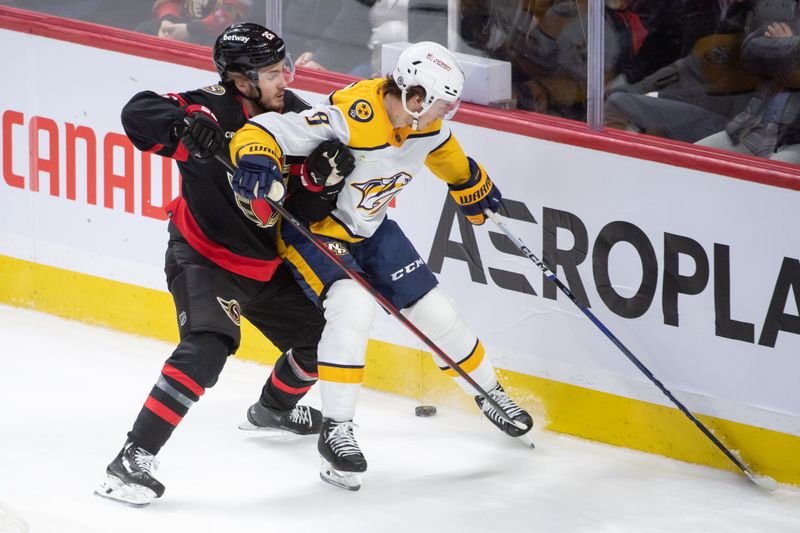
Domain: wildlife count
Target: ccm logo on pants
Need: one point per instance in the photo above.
(408, 269)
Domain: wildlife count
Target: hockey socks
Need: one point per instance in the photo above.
(169, 401)
(291, 378)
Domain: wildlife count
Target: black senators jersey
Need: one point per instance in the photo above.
(219, 225)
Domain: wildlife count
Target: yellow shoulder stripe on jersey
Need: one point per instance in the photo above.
(448, 162)
(340, 374)
(362, 107)
(253, 139)
(470, 362)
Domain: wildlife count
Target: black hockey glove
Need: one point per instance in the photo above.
(202, 136)
(326, 168)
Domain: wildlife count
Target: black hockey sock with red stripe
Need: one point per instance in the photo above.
(194, 366)
(291, 378)
(169, 401)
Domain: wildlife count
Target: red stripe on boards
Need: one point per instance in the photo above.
(535, 125)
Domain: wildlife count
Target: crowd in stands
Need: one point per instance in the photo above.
(720, 73)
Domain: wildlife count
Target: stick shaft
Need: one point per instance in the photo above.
(383, 301)
(552, 277)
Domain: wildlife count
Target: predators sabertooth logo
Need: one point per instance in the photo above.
(232, 309)
(376, 192)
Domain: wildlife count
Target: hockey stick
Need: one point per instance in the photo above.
(764, 482)
(386, 304)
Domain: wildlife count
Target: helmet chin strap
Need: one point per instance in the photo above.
(257, 99)
(414, 114)
(253, 83)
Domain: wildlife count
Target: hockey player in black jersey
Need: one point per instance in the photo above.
(220, 265)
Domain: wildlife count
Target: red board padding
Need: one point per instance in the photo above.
(520, 122)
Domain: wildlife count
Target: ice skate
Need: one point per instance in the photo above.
(342, 459)
(302, 419)
(512, 409)
(129, 477)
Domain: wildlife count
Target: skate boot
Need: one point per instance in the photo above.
(130, 477)
(342, 459)
(302, 419)
(514, 411)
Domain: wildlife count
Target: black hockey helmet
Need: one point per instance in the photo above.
(246, 47)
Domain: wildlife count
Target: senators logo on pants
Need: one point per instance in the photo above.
(232, 309)
(377, 192)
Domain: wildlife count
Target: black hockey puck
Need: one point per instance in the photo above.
(425, 410)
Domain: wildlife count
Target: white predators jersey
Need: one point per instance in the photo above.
(386, 158)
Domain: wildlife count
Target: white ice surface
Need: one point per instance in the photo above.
(69, 393)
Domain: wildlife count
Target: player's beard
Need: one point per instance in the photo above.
(273, 103)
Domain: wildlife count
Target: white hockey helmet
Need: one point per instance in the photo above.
(434, 68)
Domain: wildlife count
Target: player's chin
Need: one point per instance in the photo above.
(275, 103)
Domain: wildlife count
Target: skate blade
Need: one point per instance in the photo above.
(527, 440)
(11, 521)
(134, 495)
(249, 426)
(338, 478)
(274, 433)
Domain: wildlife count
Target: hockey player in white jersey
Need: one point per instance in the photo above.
(393, 126)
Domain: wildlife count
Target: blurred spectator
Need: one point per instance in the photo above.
(194, 21)
(389, 22)
(674, 28)
(546, 43)
(698, 93)
(346, 35)
(770, 124)
(333, 33)
(126, 15)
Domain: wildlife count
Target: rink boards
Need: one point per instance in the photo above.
(696, 272)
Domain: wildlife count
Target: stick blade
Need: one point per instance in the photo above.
(764, 482)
